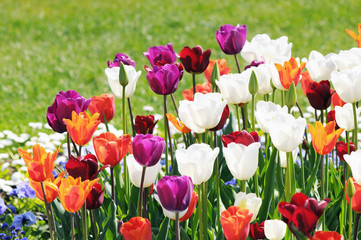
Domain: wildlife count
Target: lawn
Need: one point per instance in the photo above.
(49, 46)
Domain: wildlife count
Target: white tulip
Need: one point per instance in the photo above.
(135, 172)
(283, 157)
(203, 113)
(234, 87)
(263, 48)
(347, 59)
(286, 132)
(265, 112)
(319, 66)
(353, 160)
(275, 229)
(242, 161)
(347, 84)
(113, 79)
(249, 201)
(265, 73)
(197, 162)
(344, 116)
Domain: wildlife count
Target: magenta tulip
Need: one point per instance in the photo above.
(161, 53)
(231, 38)
(147, 149)
(164, 79)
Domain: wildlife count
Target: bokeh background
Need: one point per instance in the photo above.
(49, 46)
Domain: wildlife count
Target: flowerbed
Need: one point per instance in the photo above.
(226, 167)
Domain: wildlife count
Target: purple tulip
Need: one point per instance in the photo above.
(121, 57)
(164, 79)
(231, 39)
(147, 149)
(175, 192)
(161, 53)
(65, 103)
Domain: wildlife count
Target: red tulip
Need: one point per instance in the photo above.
(104, 103)
(302, 213)
(321, 235)
(242, 137)
(96, 197)
(144, 124)
(342, 149)
(335, 99)
(319, 95)
(235, 223)
(194, 60)
(257, 231)
(225, 115)
(83, 167)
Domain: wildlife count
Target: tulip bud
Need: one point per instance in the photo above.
(253, 84)
(291, 96)
(350, 188)
(215, 74)
(123, 77)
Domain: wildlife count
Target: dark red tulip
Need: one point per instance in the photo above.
(242, 137)
(194, 60)
(302, 213)
(144, 124)
(95, 198)
(84, 167)
(331, 116)
(257, 231)
(223, 120)
(342, 149)
(319, 94)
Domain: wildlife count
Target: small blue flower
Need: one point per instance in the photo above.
(23, 190)
(14, 234)
(12, 208)
(12, 228)
(2, 235)
(18, 229)
(2, 206)
(55, 173)
(22, 232)
(4, 226)
(27, 219)
(231, 182)
(25, 238)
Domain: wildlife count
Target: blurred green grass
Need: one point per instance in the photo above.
(49, 46)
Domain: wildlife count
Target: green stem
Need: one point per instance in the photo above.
(168, 132)
(357, 221)
(205, 217)
(141, 192)
(47, 211)
(282, 98)
(245, 116)
(255, 179)
(237, 63)
(105, 122)
(302, 168)
(289, 177)
(322, 178)
(350, 219)
(112, 182)
(355, 139)
(194, 85)
(175, 104)
(131, 116)
(68, 144)
(238, 120)
(94, 223)
(243, 186)
(217, 187)
(177, 227)
(252, 116)
(126, 173)
(200, 212)
(85, 222)
(72, 225)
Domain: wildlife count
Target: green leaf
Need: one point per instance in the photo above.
(311, 179)
(163, 230)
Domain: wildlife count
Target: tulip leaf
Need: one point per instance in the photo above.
(183, 234)
(227, 194)
(334, 208)
(268, 187)
(215, 75)
(163, 230)
(311, 179)
(63, 216)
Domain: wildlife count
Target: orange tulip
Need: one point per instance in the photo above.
(110, 149)
(335, 99)
(222, 66)
(51, 187)
(137, 228)
(306, 80)
(190, 208)
(177, 124)
(82, 127)
(201, 88)
(41, 164)
(235, 223)
(290, 72)
(73, 192)
(324, 138)
(356, 199)
(354, 36)
(104, 103)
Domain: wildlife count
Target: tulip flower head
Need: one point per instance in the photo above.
(275, 229)
(165, 53)
(190, 208)
(121, 57)
(116, 87)
(197, 162)
(194, 60)
(73, 192)
(231, 38)
(342, 149)
(222, 65)
(356, 199)
(82, 127)
(175, 192)
(356, 37)
(266, 112)
(110, 149)
(234, 87)
(144, 124)
(203, 113)
(288, 72)
(335, 99)
(103, 104)
(41, 164)
(324, 138)
(235, 223)
(319, 95)
(319, 66)
(177, 124)
(65, 103)
(249, 201)
(147, 149)
(137, 228)
(222, 122)
(84, 167)
(257, 231)
(204, 88)
(353, 160)
(95, 197)
(302, 213)
(51, 187)
(135, 172)
(345, 117)
(347, 84)
(242, 137)
(164, 80)
(321, 235)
